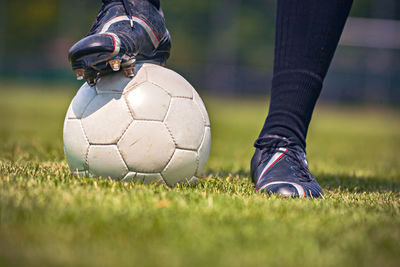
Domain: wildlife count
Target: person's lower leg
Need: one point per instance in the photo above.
(307, 34)
(156, 3)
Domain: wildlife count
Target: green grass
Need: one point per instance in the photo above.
(49, 217)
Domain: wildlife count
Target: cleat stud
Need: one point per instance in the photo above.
(79, 73)
(115, 64)
(129, 72)
(91, 80)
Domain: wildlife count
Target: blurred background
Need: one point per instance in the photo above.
(222, 47)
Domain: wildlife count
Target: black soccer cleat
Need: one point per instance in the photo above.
(280, 166)
(125, 32)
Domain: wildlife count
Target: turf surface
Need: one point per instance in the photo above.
(48, 217)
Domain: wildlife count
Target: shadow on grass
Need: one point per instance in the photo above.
(357, 184)
(342, 182)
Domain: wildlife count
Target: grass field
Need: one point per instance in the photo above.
(49, 217)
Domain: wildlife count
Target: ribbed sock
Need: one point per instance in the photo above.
(306, 37)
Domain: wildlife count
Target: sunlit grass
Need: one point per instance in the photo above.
(49, 217)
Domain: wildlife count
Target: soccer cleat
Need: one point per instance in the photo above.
(125, 32)
(280, 166)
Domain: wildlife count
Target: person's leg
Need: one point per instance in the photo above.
(307, 34)
(156, 3)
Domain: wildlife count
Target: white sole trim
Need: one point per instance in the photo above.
(299, 188)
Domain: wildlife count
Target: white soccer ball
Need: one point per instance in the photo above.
(153, 128)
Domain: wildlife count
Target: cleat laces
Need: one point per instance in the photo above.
(273, 143)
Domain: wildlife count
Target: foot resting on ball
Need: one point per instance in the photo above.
(124, 32)
(279, 166)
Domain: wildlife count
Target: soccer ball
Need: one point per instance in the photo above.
(153, 128)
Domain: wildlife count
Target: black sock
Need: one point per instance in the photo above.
(306, 37)
(106, 2)
(156, 3)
